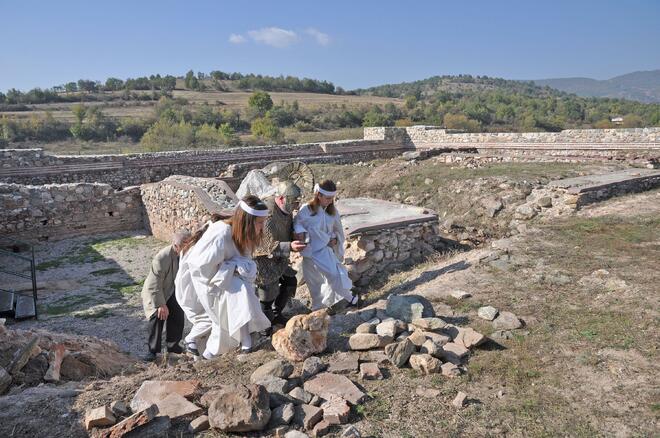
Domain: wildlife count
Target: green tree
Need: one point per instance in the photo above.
(260, 102)
(460, 121)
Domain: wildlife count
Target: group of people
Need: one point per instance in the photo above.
(232, 277)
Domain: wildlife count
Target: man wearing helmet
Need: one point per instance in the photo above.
(276, 280)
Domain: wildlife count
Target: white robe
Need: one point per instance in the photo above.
(215, 288)
(324, 273)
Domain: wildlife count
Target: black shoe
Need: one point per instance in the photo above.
(149, 357)
(177, 349)
(280, 320)
(193, 351)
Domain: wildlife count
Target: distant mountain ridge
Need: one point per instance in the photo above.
(643, 86)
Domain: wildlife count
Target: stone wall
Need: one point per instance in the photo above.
(183, 202)
(374, 253)
(34, 166)
(433, 135)
(58, 211)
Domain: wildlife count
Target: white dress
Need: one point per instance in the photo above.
(215, 288)
(324, 273)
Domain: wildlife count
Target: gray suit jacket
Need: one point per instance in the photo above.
(159, 285)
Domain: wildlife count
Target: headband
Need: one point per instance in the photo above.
(254, 212)
(318, 189)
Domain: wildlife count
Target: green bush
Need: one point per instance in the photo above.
(265, 128)
(165, 135)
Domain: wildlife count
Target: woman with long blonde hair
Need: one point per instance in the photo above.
(215, 282)
(320, 222)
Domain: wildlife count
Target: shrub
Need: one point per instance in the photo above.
(266, 129)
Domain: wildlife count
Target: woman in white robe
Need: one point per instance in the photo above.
(324, 273)
(215, 282)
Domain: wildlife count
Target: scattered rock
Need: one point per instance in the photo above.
(378, 356)
(450, 370)
(153, 391)
(343, 363)
(336, 410)
(487, 312)
(402, 336)
(468, 337)
(300, 396)
(425, 363)
(370, 371)
(281, 415)
(22, 356)
(417, 337)
(391, 328)
(5, 380)
(460, 400)
(454, 353)
(502, 335)
(525, 212)
(303, 336)
(277, 390)
(460, 294)
(132, 423)
(295, 434)
(367, 341)
(99, 417)
(275, 368)
(199, 424)
(437, 338)
(427, 392)
(429, 324)
(176, 406)
(492, 206)
(119, 408)
(428, 181)
(366, 327)
(430, 347)
(326, 385)
(56, 355)
(240, 408)
(322, 428)
(74, 368)
(405, 308)
(399, 353)
(545, 202)
(350, 432)
(312, 366)
(307, 416)
(507, 321)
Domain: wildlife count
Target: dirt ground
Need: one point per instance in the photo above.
(584, 364)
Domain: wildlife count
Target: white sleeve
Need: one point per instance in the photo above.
(338, 229)
(300, 220)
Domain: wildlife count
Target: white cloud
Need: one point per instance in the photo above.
(274, 36)
(236, 39)
(320, 37)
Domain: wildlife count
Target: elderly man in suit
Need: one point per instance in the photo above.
(159, 301)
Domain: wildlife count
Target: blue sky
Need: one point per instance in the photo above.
(351, 43)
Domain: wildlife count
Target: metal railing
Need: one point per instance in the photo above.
(11, 250)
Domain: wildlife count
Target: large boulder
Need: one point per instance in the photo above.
(240, 408)
(406, 308)
(303, 336)
(274, 368)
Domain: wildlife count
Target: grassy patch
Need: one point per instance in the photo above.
(66, 305)
(117, 244)
(96, 313)
(127, 288)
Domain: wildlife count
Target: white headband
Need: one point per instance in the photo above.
(254, 212)
(318, 189)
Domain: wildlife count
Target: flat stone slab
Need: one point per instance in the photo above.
(365, 214)
(175, 406)
(153, 391)
(582, 184)
(327, 385)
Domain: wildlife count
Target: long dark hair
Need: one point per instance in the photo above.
(243, 226)
(314, 204)
(197, 234)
